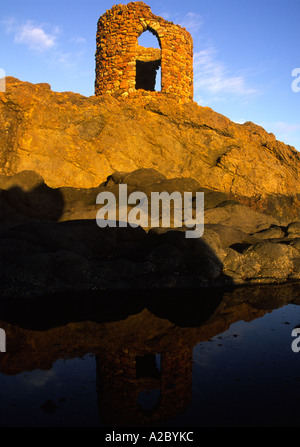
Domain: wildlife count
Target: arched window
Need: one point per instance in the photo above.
(148, 67)
(148, 40)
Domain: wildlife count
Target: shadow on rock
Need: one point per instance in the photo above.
(42, 255)
(26, 198)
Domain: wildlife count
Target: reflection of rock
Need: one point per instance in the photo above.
(91, 325)
(126, 349)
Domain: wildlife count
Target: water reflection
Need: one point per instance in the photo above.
(122, 391)
(143, 344)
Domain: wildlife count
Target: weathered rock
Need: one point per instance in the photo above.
(239, 217)
(282, 207)
(274, 232)
(293, 229)
(72, 140)
(263, 262)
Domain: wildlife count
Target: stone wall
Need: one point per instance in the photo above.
(124, 68)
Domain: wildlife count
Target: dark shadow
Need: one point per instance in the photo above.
(183, 307)
(146, 73)
(146, 366)
(240, 247)
(104, 274)
(148, 65)
(186, 307)
(40, 204)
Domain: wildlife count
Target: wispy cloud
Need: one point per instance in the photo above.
(33, 35)
(213, 80)
(67, 59)
(38, 378)
(287, 132)
(192, 22)
(213, 77)
(286, 127)
(43, 39)
(78, 40)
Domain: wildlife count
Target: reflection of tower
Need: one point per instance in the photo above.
(140, 388)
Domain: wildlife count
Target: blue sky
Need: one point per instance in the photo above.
(244, 52)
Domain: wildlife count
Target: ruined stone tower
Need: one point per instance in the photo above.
(124, 68)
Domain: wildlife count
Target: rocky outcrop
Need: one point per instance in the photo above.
(75, 141)
(59, 150)
(50, 241)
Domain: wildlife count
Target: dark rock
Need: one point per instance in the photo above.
(49, 241)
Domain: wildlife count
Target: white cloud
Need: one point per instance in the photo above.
(79, 40)
(214, 77)
(39, 378)
(287, 132)
(67, 60)
(286, 127)
(44, 38)
(9, 24)
(192, 22)
(213, 80)
(35, 37)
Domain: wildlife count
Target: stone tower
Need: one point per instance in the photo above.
(124, 68)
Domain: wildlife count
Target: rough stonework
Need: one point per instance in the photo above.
(124, 68)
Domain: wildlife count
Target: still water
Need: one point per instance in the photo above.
(192, 360)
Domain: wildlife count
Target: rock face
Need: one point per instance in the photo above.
(50, 242)
(72, 140)
(59, 150)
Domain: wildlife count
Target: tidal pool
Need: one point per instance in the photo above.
(232, 364)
